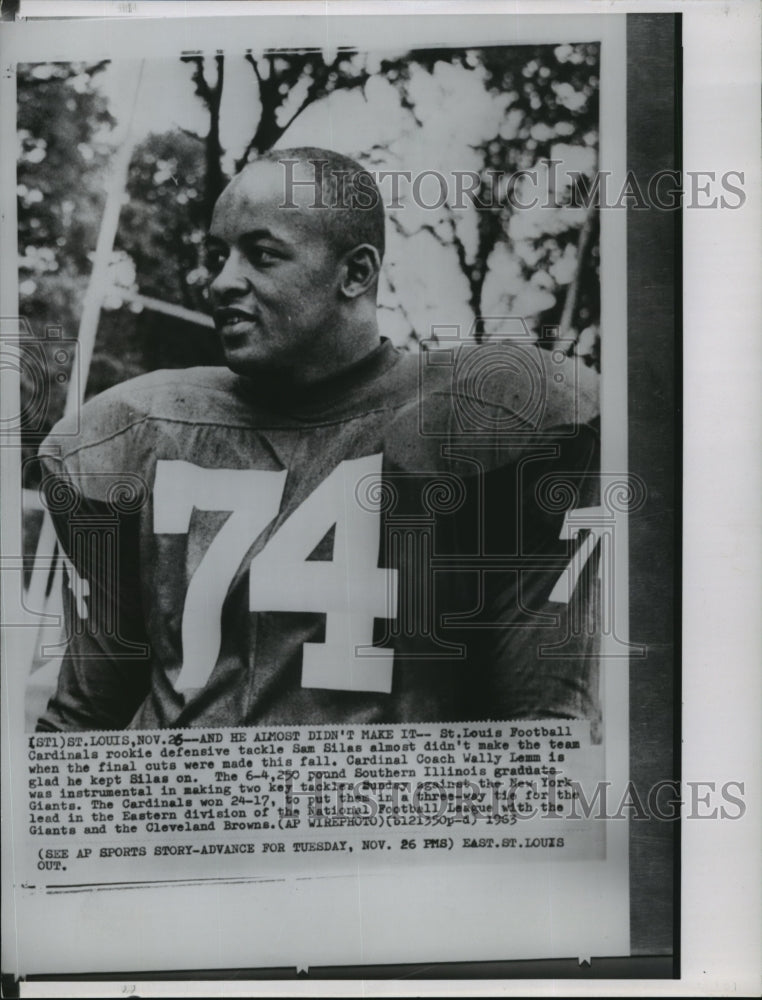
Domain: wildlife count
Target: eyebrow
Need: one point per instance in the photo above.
(249, 236)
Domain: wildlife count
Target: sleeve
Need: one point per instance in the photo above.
(537, 644)
(105, 671)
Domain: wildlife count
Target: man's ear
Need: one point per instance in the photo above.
(360, 270)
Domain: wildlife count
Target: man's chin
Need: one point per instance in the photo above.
(258, 368)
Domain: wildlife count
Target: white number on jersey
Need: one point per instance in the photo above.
(593, 519)
(351, 590)
(79, 587)
(252, 497)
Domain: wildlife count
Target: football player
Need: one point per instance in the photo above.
(327, 530)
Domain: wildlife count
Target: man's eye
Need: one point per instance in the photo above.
(214, 259)
(261, 255)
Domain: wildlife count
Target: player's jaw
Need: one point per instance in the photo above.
(243, 336)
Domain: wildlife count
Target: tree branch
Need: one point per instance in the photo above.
(400, 305)
(190, 133)
(269, 130)
(97, 67)
(253, 63)
(202, 87)
(212, 98)
(572, 293)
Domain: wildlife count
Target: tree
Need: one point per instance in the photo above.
(551, 98)
(211, 95)
(63, 128)
(286, 84)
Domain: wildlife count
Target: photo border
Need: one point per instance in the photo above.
(634, 633)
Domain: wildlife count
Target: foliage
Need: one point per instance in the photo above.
(550, 97)
(508, 108)
(63, 128)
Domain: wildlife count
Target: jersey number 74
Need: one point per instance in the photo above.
(350, 589)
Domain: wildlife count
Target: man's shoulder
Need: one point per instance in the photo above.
(189, 395)
(526, 387)
(492, 402)
(505, 385)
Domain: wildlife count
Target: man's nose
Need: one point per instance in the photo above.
(231, 280)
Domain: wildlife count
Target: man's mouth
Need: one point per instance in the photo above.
(228, 318)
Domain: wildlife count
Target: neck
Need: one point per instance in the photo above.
(339, 353)
(346, 346)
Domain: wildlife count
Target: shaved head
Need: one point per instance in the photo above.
(343, 194)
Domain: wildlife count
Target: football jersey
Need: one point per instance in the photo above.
(388, 545)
